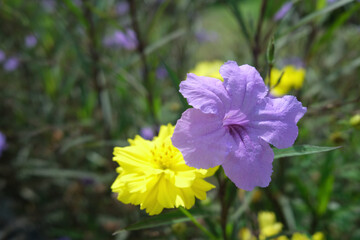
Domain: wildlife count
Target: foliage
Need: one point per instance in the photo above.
(68, 99)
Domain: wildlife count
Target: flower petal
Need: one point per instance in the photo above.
(275, 121)
(205, 93)
(251, 164)
(244, 85)
(201, 139)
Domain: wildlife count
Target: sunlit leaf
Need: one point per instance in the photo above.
(301, 150)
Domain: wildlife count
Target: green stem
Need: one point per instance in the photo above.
(201, 227)
(224, 206)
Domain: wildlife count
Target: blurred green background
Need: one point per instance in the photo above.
(80, 77)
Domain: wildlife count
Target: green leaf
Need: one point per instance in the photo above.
(316, 14)
(339, 21)
(176, 82)
(163, 219)
(77, 12)
(239, 17)
(326, 184)
(59, 173)
(300, 150)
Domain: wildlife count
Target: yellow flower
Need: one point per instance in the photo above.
(355, 121)
(292, 78)
(153, 174)
(208, 69)
(318, 236)
(245, 234)
(299, 236)
(266, 219)
(268, 226)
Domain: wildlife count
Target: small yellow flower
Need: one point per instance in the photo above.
(299, 236)
(293, 78)
(153, 174)
(318, 236)
(266, 219)
(268, 226)
(208, 69)
(355, 121)
(245, 234)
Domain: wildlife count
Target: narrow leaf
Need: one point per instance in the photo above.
(176, 82)
(316, 14)
(301, 150)
(161, 220)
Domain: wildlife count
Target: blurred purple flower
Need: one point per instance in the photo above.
(285, 8)
(2, 143)
(2, 56)
(120, 39)
(147, 133)
(205, 36)
(233, 123)
(122, 8)
(87, 181)
(331, 1)
(77, 2)
(161, 73)
(11, 64)
(49, 5)
(30, 41)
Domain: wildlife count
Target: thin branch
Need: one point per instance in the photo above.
(141, 50)
(256, 49)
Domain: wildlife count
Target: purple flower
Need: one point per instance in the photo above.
(120, 39)
(2, 56)
(122, 8)
(87, 181)
(203, 36)
(49, 5)
(2, 143)
(233, 122)
(30, 41)
(161, 73)
(147, 133)
(285, 8)
(11, 64)
(78, 3)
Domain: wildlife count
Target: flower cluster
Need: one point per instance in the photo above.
(233, 122)
(153, 174)
(269, 227)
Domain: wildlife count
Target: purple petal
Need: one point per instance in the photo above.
(275, 121)
(205, 93)
(30, 41)
(201, 139)
(2, 56)
(244, 85)
(11, 64)
(251, 164)
(283, 11)
(147, 133)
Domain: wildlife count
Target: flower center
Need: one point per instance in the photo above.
(162, 155)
